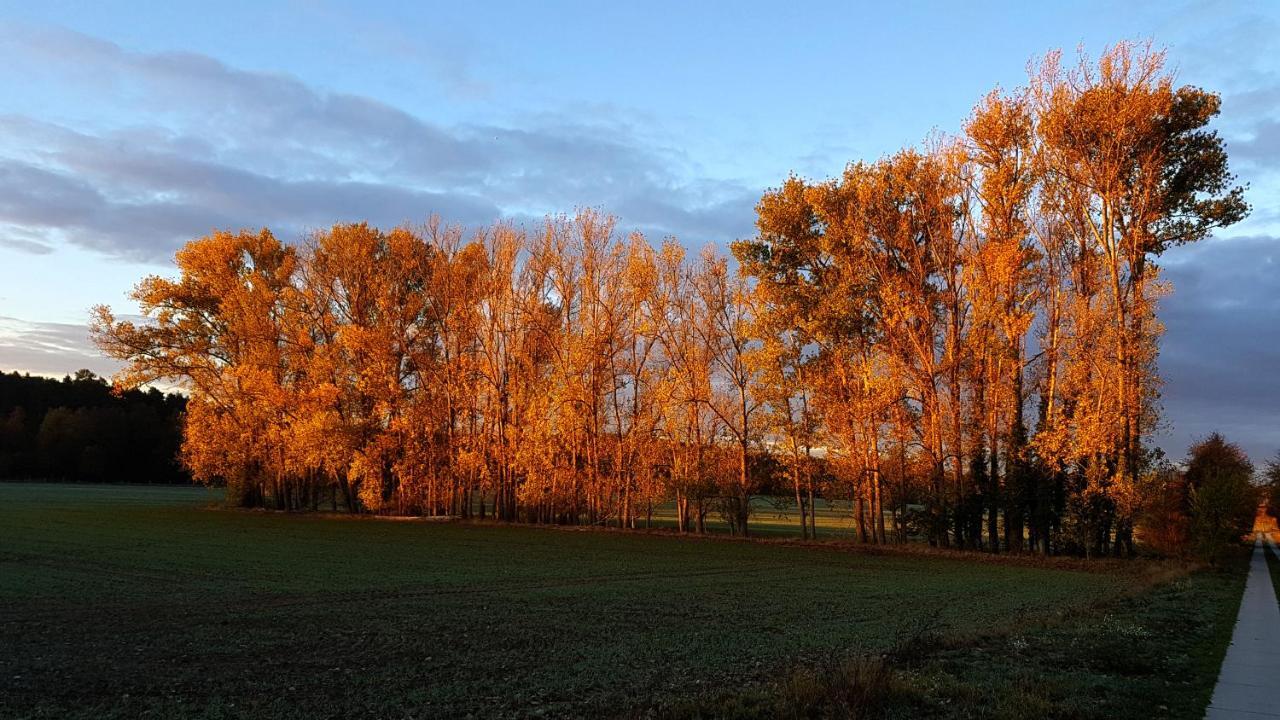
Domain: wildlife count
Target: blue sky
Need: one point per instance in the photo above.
(126, 128)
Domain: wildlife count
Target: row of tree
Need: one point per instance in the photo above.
(78, 429)
(960, 339)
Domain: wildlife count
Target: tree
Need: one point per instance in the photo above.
(1132, 171)
(80, 428)
(1005, 289)
(690, 424)
(883, 338)
(1164, 520)
(1273, 486)
(1223, 500)
(722, 320)
(791, 421)
(216, 333)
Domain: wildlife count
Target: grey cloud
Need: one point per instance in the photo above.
(278, 112)
(200, 197)
(23, 240)
(234, 148)
(34, 247)
(48, 348)
(1262, 146)
(1221, 347)
(728, 208)
(34, 196)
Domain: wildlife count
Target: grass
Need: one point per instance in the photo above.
(1152, 654)
(1156, 654)
(1273, 562)
(772, 519)
(131, 601)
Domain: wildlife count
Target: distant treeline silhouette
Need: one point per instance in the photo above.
(78, 429)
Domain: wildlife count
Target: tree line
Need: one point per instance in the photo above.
(77, 429)
(960, 339)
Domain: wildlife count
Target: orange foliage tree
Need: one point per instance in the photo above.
(959, 341)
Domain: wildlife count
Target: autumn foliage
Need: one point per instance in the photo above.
(960, 340)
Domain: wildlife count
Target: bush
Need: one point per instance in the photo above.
(1163, 523)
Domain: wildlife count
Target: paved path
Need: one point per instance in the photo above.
(1249, 683)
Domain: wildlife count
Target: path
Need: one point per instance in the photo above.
(1249, 683)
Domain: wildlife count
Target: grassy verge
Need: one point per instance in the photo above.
(1154, 654)
(1273, 564)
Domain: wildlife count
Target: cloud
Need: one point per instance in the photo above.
(33, 247)
(159, 200)
(22, 240)
(1261, 147)
(220, 147)
(49, 348)
(1219, 355)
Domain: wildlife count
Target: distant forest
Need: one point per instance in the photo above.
(79, 429)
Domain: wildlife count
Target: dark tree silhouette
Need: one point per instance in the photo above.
(79, 429)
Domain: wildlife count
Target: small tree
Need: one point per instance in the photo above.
(1273, 486)
(1163, 522)
(1223, 500)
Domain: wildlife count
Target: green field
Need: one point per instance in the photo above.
(769, 518)
(124, 601)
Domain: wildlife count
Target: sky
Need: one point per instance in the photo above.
(127, 129)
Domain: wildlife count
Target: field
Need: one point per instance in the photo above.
(770, 519)
(124, 601)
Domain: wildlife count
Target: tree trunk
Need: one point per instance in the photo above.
(795, 482)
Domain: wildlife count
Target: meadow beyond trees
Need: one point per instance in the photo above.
(959, 340)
